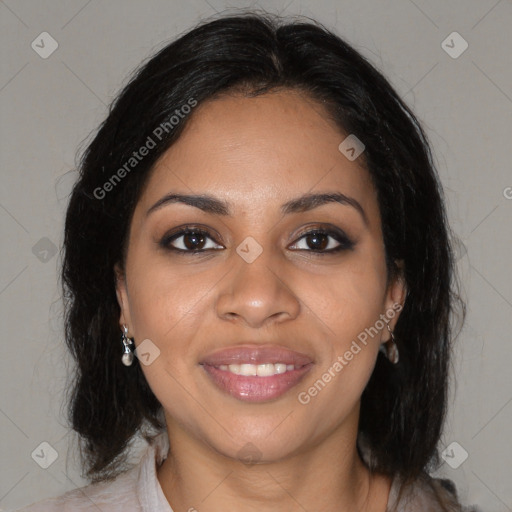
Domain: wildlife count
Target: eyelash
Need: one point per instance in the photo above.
(339, 236)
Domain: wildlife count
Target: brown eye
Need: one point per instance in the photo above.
(317, 241)
(190, 240)
(324, 241)
(193, 241)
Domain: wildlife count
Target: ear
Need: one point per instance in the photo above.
(122, 298)
(395, 298)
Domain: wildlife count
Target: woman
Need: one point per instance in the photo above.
(260, 218)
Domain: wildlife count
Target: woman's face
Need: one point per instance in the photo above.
(305, 312)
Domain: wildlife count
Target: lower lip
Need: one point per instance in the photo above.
(256, 389)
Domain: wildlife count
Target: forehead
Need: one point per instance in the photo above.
(260, 150)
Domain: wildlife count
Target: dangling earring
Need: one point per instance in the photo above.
(127, 357)
(389, 348)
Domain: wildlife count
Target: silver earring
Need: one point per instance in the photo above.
(390, 348)
(127, 357)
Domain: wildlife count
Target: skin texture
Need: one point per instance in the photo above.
(258, 153)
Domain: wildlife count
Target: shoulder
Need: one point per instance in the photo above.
(135, 490)
(426, 494)
(118, 495)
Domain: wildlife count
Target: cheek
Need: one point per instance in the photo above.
(349, 308)
(349, 304)
(350, 299)
(166, 308)
(164, 299)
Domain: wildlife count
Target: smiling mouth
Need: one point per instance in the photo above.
(260, 370)
(256, 373)
(255, 388)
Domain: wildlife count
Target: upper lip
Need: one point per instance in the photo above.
(256, 354)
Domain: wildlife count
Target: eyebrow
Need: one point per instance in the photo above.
(304, 203)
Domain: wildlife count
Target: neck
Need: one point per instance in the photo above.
(327, 477)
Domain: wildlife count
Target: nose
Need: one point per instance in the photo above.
(257, 293)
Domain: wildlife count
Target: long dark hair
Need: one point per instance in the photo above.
(403, 406)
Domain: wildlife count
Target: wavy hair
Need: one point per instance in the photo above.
(403, 406)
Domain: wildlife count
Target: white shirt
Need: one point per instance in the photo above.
(138, 490)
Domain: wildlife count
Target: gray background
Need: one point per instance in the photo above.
(50, 106)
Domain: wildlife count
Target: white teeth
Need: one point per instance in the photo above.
(261, 370)
(248, 370)
(234, 368)
(265, 370)
(281, 368)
